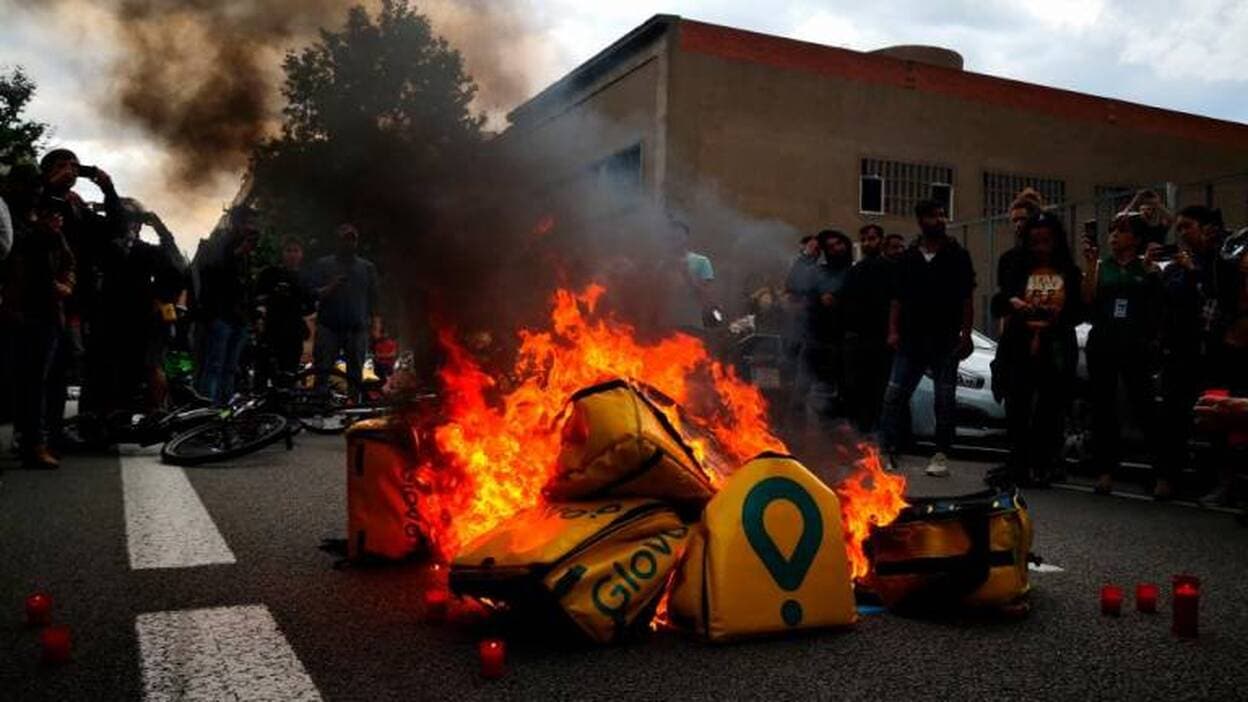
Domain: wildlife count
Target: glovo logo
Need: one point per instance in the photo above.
(613, 593)
(787, 572)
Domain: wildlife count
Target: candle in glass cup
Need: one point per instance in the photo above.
(39, 609)
(1146, 598)
(1186, 603)
(55, 642)
(493, 653)
(437, 602)
(1111, 600)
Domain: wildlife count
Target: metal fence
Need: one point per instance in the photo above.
(989, 237)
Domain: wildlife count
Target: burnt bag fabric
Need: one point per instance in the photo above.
(969, 551)
(619, 441)
(768, 557)
(382, 521)
(603, 563)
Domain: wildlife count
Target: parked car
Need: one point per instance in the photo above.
(980, 418)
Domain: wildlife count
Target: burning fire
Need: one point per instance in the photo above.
(871, 496)
(494, 454)
(498, 442)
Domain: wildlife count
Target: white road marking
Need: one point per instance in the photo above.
(166, 523)
(1045, 568)
(225, 653)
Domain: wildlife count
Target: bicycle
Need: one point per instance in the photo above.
(245, 425)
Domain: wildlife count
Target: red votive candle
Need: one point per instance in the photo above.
(55, 641)
(1186, 606)
(1111, 600)
(1146, 598)
(436, 604)
(493, 654)
(39, 609)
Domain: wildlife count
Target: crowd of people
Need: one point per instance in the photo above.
(83, 296)
(1169, 323)
(85, 300)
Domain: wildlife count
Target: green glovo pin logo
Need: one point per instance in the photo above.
(787, 572)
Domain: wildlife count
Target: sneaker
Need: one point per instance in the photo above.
(938, 467)
(891, 463)
(40, 458)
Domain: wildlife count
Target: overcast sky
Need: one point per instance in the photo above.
(1189, 55)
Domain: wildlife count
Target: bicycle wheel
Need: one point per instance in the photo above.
(226, 439)
(318, 400)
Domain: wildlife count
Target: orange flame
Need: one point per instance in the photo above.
(499, 439)
(870, 496)
(494, 454)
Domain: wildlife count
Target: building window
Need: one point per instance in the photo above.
(619, 172)
(901, 185)
(871, 194)
(1001, 188)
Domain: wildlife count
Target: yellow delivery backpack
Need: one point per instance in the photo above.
(604, 563)
(767, 558)
(381, 490)
(619, 442)
(967, 551)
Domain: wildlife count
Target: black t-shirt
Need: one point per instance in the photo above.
(868, 296)
(932, 294)
(287, 300)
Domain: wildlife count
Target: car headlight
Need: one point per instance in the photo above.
(970, 380)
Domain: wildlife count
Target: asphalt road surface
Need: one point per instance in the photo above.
(207, 583)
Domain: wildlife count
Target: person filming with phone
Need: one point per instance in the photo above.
(88, 235)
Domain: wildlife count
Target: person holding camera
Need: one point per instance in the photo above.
(1122, 292)
(1191, 329)
(1157, 220)
(139, 280)
(88, 235)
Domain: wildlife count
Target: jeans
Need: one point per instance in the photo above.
(38, 382)
(223, 344)
(352, 343)
(908, 367)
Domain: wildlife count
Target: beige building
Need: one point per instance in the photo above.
(705, 119)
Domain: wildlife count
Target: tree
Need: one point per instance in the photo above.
(377, 114)
(19, 138)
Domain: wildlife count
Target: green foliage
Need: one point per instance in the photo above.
(377, 113)
(19, 138)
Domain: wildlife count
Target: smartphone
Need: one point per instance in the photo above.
(87, 172)
(1168, 252)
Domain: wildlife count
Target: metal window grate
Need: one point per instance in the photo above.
(904, 185)
(1001, 188)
